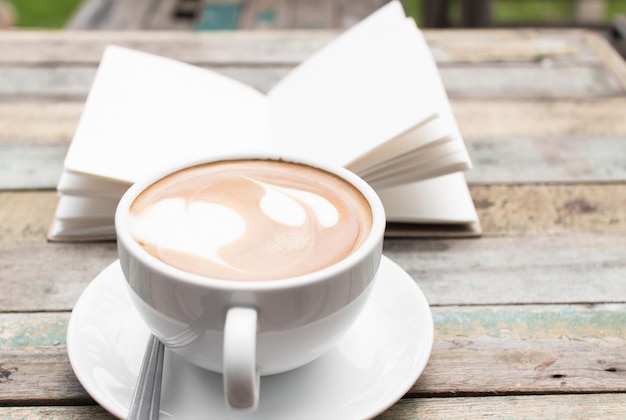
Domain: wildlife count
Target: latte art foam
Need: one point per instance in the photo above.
(250, 219)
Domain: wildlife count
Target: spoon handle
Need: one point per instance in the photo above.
(147, 395)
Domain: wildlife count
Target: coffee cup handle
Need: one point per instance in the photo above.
(241, 376)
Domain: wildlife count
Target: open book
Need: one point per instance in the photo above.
(372, 101)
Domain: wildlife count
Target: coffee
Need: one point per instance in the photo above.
(250, 219)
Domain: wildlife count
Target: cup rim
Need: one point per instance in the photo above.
(375, 235)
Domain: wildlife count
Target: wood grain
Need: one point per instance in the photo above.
(33, 165)
(25, 217)
(481, 349)
(73, 82)
(549, 118)
(478, 119)
(528, 407)
(530, 319)
(202, 48)
(92, 412)
(527, 349)
(50, 277)
(531, 81)
(496, 271)
(504, 210)
(520, 210)
(272, 47)
(39, 377)
(39, 122)
(30, 166)
(547, 159)
(519, 270)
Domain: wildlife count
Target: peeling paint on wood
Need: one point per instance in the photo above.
(605, 323)
(20, 331)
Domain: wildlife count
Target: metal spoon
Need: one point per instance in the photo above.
(146, 398)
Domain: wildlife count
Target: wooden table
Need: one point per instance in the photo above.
(530, 319)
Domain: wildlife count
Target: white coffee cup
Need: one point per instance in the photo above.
(245, 329)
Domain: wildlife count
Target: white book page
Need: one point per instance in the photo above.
(439, 167)
(145, 111)
(352, 96)
(417, 161)
(77, 184)
(410, 144)
(86, 208)
(413, 140)
(444, 199)
(438, 96)
(81, 230)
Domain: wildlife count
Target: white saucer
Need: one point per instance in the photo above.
(372, 367)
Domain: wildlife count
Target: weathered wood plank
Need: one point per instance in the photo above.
(49, 277)
(554, 159)
(30, 166)
(502, 45)
(490, 118)
(202, 48)
(516, 270)
(39, 122)
(530, 407)
(24, 165)
(478, 119)
(523, 270)
(73, 83)
(489, 350)
(34, 363)
(487, 81)
(514, 210)
(25, 217)
(504, 210)
(527, 349)
(606, 52)
(41, 376)
(92, 412)
(32, 330)
(273, 47)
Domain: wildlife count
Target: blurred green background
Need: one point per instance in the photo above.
(55, 13)
(43, 13)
